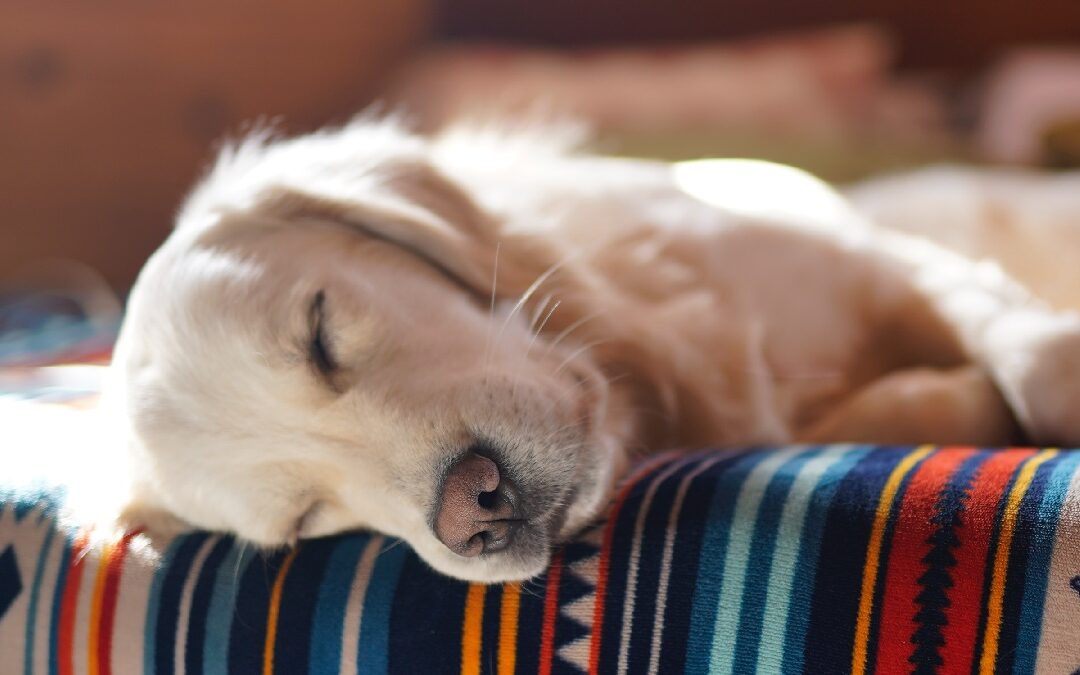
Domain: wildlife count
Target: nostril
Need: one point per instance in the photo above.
(477, 509)
(487, 500)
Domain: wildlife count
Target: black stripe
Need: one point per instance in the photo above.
(830, 635)
(1027, 521)
(426, 621)
(682, 586)
(247, 635)
(169, 607)
(299, 597)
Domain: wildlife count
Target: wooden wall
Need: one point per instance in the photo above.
(109, 109)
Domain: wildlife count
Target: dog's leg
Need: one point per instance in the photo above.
(920, 405)
(1031, 352)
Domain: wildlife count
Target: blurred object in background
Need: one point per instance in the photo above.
(109, 110)
(958, 36)
(1031, 110)
(60, 312)
(824, 100)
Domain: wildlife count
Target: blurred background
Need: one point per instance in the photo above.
(110, 110)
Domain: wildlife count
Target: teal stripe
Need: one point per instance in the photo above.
(58, 598)
(801, 595)
(371, 656)
(714, 544)
(1038, 566)
(776, 471)
(219, 614)
(820, 474)
(325, 654)
(35, 589)
(152, 604)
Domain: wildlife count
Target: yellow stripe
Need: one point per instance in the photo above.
(873, 556)
(508, 627)
(275, 609)
(1001, 559)
(95, 611)
(471, 633)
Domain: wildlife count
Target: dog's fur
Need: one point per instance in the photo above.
(569, 312)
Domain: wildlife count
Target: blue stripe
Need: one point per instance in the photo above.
(200, 606)
(710, 571)
(58, 598)
(1038, 569)
(799, 605)
(757, 576)
(325, 655)
(219, 616)
(31, 610)
(153, 604)
(374, 644)
(753, 497)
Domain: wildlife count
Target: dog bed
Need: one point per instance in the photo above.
(777, 560)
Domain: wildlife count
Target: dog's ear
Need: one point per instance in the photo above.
(405, 202)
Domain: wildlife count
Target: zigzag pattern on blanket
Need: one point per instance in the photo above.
(817, 560)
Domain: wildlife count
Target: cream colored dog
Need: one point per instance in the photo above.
(463, 340)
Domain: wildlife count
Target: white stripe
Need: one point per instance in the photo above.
(665, 565)
(354, 608)
(635, 559)
(744, 521)
(785, 560)
(132, 599)
(184, 613)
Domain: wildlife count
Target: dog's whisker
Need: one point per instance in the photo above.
(539, 310)
(540, 280)
(491, 308)
(540, 328)
(572, 327)
(577, 352)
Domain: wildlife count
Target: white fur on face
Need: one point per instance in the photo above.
(237, 430)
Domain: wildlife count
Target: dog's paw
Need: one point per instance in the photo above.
(1036, 360)
(154, 523)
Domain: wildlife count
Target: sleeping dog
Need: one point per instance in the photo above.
(464, 340)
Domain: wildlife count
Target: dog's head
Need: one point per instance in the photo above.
(323, 345)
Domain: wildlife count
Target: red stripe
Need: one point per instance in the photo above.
(605, 554)
(909, 546)
(551, 606)
(976, 523)
(68, 605)
(115, 566)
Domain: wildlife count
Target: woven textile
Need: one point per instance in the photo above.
(818, 560)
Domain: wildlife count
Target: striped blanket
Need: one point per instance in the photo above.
(783, 560)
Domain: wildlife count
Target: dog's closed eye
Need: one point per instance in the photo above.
(319, 351)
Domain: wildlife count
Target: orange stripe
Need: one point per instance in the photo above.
(108, 603)
(92, 658)
(275, 609)
(472, 630)
(65, 640)
(508, 628)
(873, 556)
(1001, 559)
(551, 605)
(605, 553)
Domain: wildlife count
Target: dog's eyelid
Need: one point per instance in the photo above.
(319, 351)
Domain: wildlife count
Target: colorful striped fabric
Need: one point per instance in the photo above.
(819, 560)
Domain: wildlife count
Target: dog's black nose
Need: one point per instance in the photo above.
(477, 510)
